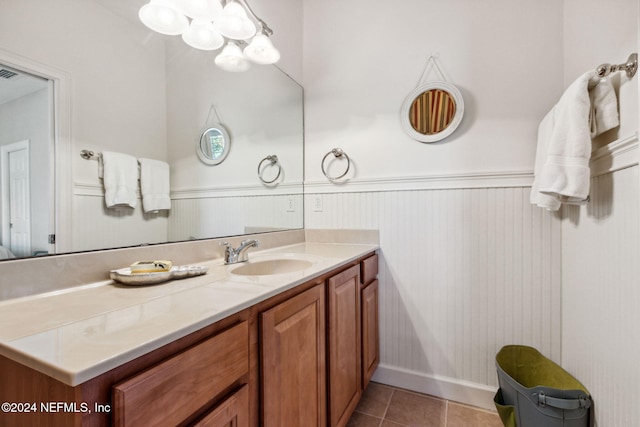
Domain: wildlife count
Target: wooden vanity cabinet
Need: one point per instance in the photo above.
(300, 358)
(370, 320)
(292, 343)
(293, 361)
(176, 384)
(344, 351)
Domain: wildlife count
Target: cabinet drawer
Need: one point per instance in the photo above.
(369, 269)
(173, 390)
(232, 412)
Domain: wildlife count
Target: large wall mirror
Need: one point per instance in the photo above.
(123, 88)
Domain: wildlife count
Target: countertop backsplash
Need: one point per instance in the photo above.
(32, 276)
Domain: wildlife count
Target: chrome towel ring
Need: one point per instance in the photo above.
(337, 152)
(273, 160)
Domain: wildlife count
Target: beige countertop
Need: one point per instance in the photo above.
(79, 333)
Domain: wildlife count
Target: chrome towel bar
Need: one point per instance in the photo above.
(630, 67)
(338, 153)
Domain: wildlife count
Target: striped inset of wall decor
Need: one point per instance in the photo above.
(432, 111)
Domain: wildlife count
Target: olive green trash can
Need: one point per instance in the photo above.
(536, 392)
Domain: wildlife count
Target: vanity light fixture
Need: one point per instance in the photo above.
(232, 59)
(207, 25)
(261, 50)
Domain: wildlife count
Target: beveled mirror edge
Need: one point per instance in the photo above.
(405, 121)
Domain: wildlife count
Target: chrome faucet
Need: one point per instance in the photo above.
(233, 256)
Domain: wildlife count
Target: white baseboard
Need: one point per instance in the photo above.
(466, 392)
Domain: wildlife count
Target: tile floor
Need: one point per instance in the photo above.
(385, 406)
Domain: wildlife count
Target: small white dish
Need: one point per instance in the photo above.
(126, 277)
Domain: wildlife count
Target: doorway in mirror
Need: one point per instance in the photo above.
(26, 159)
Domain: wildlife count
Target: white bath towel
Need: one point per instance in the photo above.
(154, 185)
(562, 172)
(120, 177)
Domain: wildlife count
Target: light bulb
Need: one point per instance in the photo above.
(261, 50)
(205, 10)
(163, 16)
(202, 35)
(231, 59)
(233, 23)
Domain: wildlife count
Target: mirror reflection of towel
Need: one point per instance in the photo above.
(154, 185)
(120, 178)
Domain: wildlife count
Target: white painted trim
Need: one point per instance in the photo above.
(92, 189)
(427, 182)
(617, 155)
(237, 191)
(466, 392)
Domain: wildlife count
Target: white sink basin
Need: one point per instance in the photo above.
(271, 266)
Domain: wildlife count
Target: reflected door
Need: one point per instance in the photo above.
(16, 216)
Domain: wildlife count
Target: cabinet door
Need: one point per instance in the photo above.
(344, 345)
(370, 331)
(232, 412)
(293, 361)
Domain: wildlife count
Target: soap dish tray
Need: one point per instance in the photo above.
(124, 275)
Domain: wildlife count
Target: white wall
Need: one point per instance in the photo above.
(601, 241)
(467, 264)
(361, 59)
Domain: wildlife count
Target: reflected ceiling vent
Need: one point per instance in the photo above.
(7, 74)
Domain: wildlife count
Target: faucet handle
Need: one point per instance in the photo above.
(229, 253)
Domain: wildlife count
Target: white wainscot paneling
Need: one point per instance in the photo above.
(202, 217)
(601, 294)
(96, 227)
(463, 272)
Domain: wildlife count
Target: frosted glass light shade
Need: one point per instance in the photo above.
(206, 10)
(163, 16)
(202, 35)
(261, 50)
(231, 59)
(233, 23)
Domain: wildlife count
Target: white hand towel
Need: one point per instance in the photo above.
(604, 108)
(120, 177)
(562, 173)
(154, 185)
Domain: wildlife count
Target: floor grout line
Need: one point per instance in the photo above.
(384, 416)
(446, 413)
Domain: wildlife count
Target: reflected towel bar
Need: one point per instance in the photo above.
(273, 161)
(90, 155)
